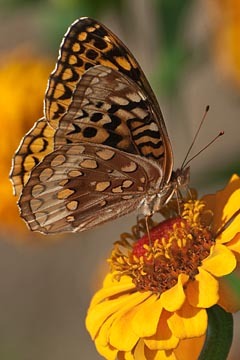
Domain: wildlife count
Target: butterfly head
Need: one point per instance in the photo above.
(180, 177)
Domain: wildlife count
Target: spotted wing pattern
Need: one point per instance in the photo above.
(88, 43)
(80, 186)
(102, 148)
(110, 109)
(35, 145)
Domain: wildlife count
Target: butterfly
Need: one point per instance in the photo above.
(102, 149)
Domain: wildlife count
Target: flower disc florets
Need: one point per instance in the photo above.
(174, 246)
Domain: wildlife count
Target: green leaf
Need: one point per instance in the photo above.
(172, 14)
(173, 62)
(234, 283)
(219, 334)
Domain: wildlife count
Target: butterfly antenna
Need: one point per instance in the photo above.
(205, 147)
(184, 164)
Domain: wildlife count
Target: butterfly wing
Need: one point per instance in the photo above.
(36, 144)
(77, 187)
(98, 101)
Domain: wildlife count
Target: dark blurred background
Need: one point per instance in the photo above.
(190, 52)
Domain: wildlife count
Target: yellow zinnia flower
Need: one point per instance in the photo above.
(153, 303)
(23, 83)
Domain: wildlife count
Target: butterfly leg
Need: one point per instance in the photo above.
(178, 196)
(147, 228)
(139, 226)
(181, 197)
(190, 195)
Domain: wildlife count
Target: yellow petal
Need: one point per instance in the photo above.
(231, 229)
(111, 287)
(164, 338)
(146, 318)
(122, 335)
(108, 334)
(203, 291)
(102, 337)
(189, 349)
(159, 355)
(173, 298)
(98, 314)
(220, 262)
(116, 330)
(224, 204)
(188, 322)
(143, 353)
(234, 245)
(139, 353)
(108, 352)
(125, 355)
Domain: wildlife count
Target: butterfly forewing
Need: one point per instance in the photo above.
(79, 186)
(88, 43)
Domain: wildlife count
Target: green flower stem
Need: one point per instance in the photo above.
(219, 335)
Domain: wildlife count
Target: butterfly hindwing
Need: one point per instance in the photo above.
(80, 186)
(110, 109)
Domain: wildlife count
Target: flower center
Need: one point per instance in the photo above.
(176, 245)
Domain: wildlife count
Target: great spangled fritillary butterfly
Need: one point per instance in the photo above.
(102, 149)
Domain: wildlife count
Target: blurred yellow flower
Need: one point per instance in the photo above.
(225, 20)
(153, 303)
(23, 83)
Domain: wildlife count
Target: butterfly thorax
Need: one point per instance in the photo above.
(154, 201)
(157, 198)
